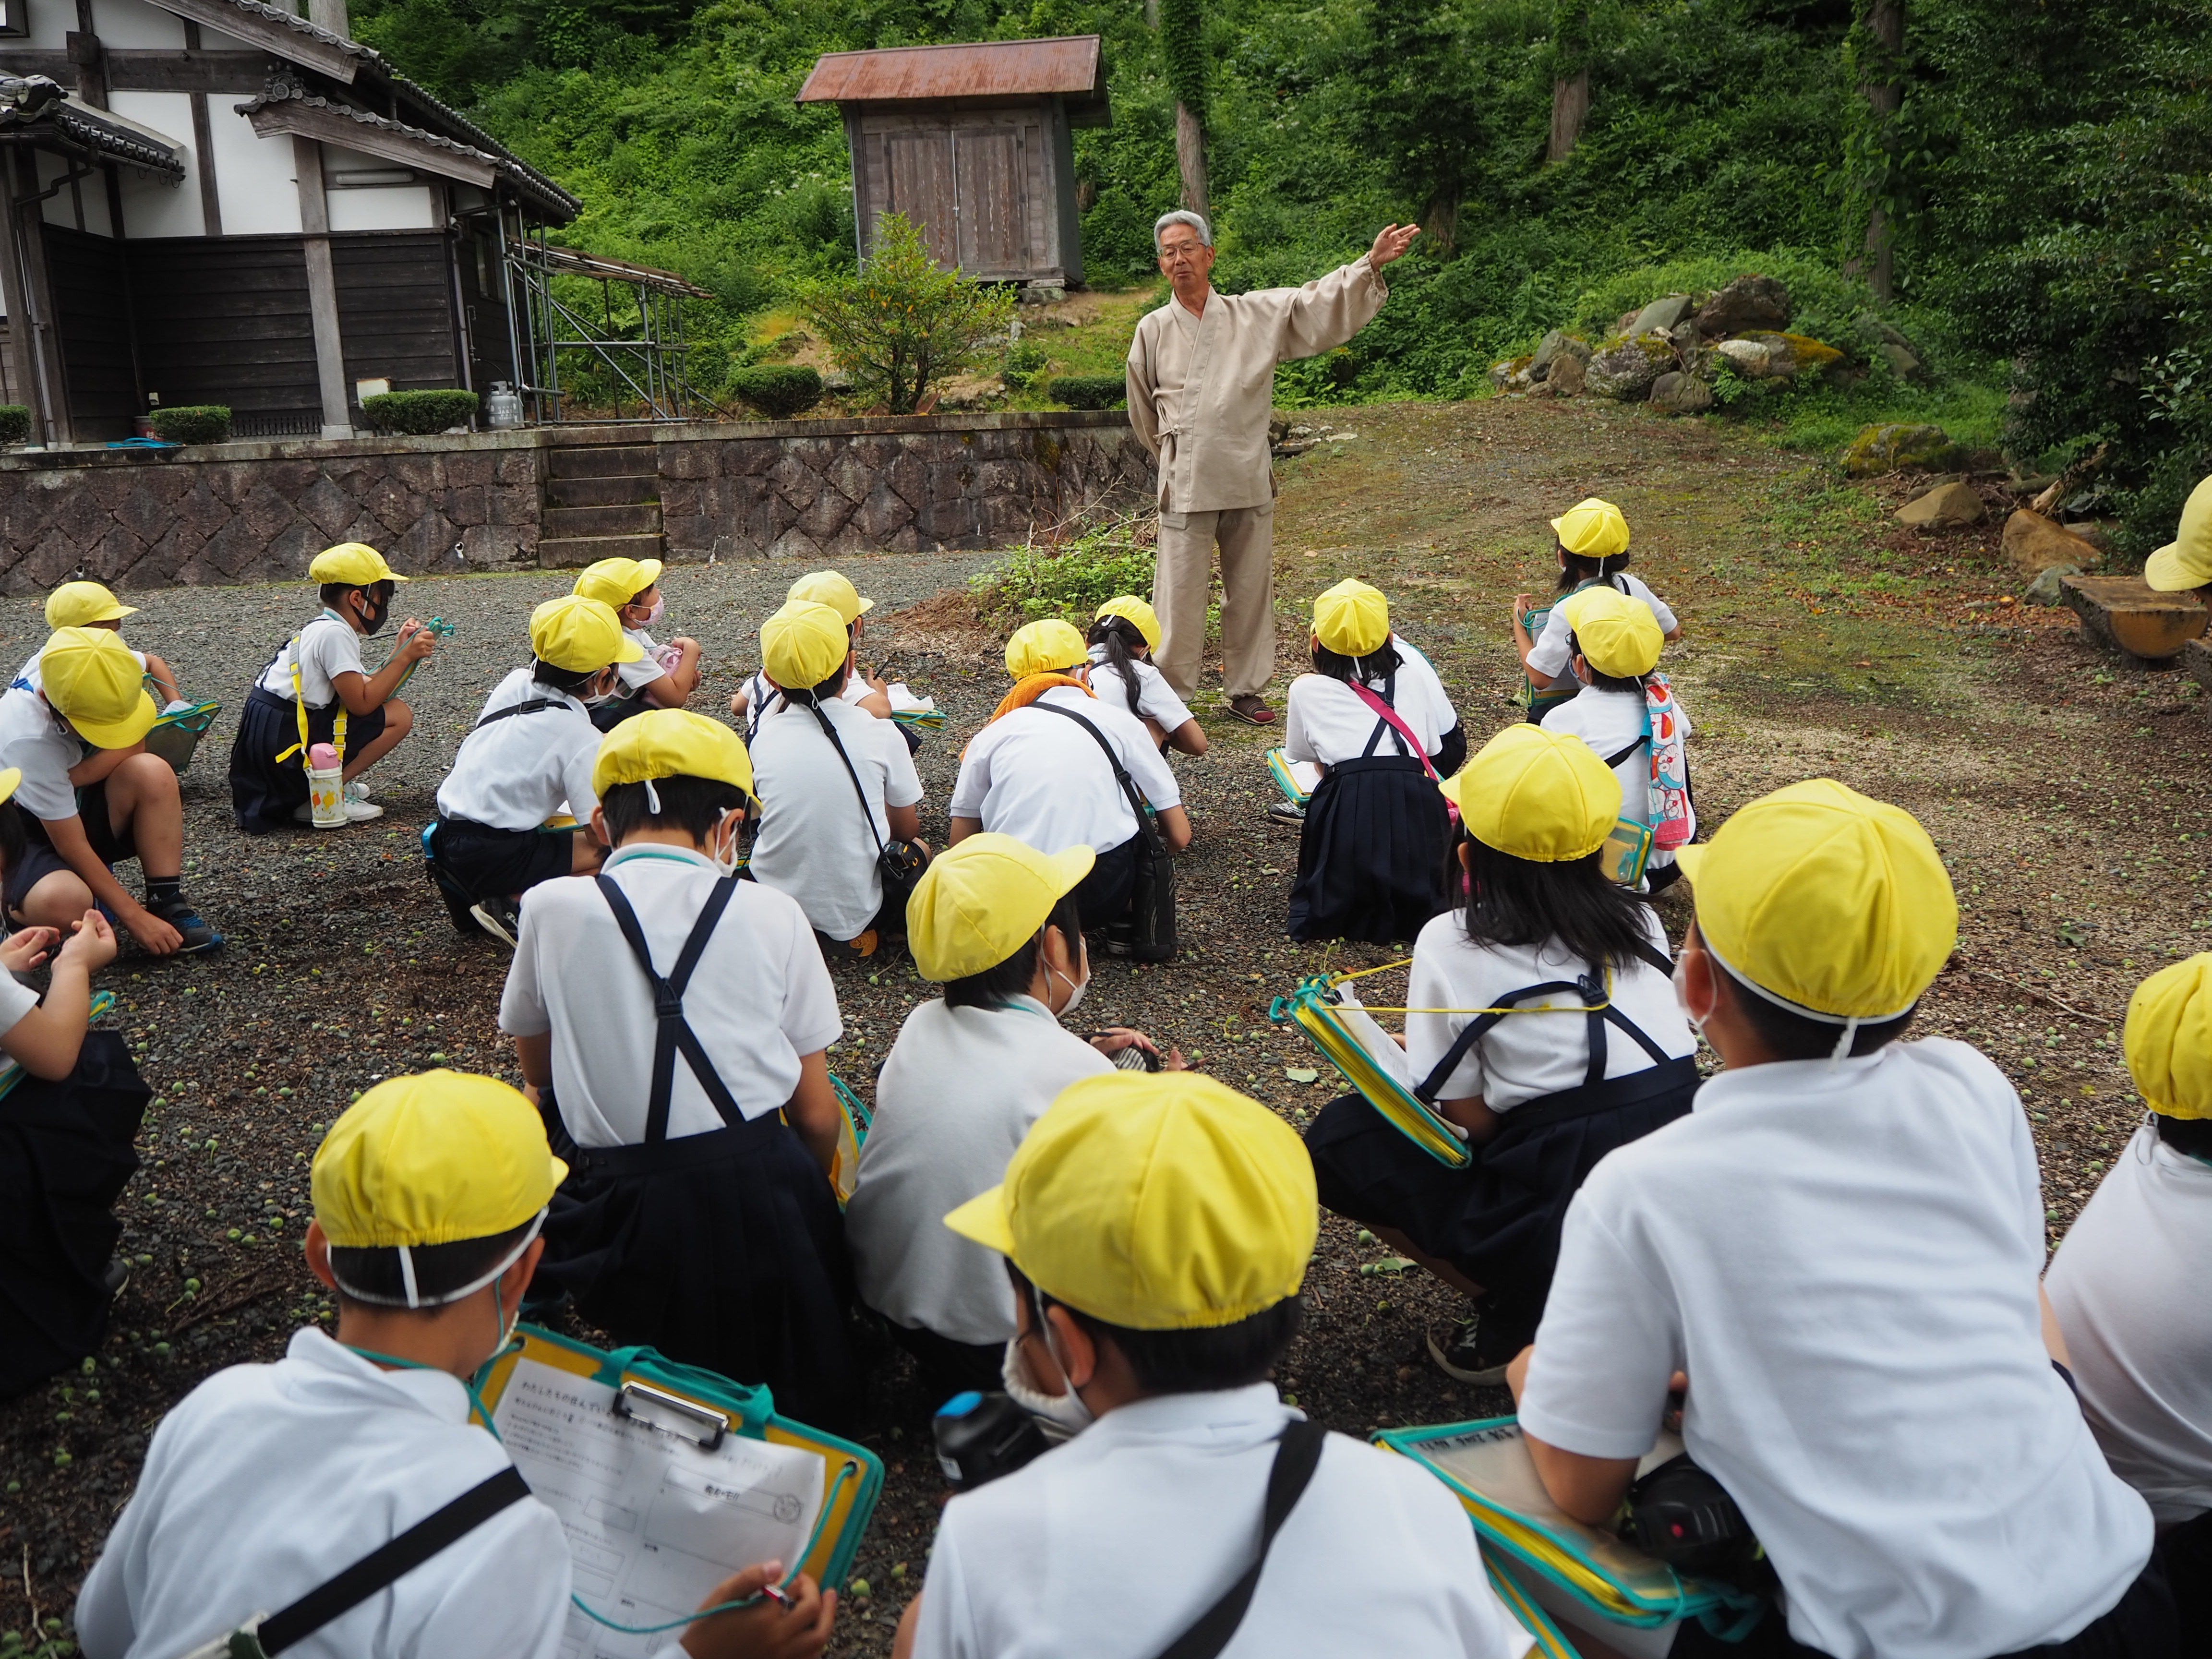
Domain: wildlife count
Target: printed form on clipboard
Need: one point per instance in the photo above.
(654, 1519)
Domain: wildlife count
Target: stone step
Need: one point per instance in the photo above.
(620, 491)
(2196, 662)
(2124, 614)
(617, 461)
(634, 519)
(573, 552)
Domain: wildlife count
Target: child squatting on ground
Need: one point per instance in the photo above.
(1593, 543)
(662, 676)
(87, 604)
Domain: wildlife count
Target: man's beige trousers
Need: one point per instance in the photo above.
(1180, 580)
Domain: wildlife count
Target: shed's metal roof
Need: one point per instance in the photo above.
(1069, 65)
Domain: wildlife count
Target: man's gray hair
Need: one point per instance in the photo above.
(1182, 216)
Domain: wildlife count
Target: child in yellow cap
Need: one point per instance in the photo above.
(527, 761)
(1628, 714)
(993, 920)
(268, 1482)
(1371, 854)
(1839, 1250)
(863, 690)
(92, 798)
(1592, 537)
(698, 1216)
(2128, 1288)
(1156, 1231)
(2184, 564)
(88, 604)
(1542, 1096)
(1123, 636)
(842, 783)
(1045, 771)
(663, 676)
(317, 690)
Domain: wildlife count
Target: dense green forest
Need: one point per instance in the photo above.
(2040, 168)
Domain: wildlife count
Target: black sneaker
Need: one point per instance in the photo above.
(1286, 811)
(197, 935)
(1460, 1354)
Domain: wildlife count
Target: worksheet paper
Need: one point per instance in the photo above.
(654, 1521)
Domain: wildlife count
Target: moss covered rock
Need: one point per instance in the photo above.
(1897, 447)
(1625, 369)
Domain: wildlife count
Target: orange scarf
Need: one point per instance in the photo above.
(1027, 691)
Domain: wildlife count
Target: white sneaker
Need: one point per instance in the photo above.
(356, 790)
(356, 811)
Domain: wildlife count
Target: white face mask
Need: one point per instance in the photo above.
(592, 700)
(1075, 989)
(725, 849)
(1065, 1412)
(1682, 1001)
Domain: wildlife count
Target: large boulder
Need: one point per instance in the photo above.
(1624, 369)
(1568, 378)
(1946, 507)
(1661, 315)
(1746, 304)
(1791, 354)
(2034, 544)
(1899, 446)
(1555, 344)
(1677, 393)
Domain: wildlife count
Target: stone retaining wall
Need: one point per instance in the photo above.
(260, 510)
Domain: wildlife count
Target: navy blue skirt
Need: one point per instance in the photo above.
(1371, 857)
(264, 792)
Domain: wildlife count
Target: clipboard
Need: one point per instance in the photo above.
(703, 1409)
(852, 1122)
(1298, 780)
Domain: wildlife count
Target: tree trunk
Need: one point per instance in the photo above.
(1884, 94)
(1190, 157)
(1570, 109)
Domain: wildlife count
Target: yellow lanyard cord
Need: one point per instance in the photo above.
(299, 707)
(1546, 1008)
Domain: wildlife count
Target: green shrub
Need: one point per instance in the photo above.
(1088, 392)
(192, 423)
(899, 324)
(1071, 579)
(419, 414)
(15, 423)
(1025, 362)
(779, 391)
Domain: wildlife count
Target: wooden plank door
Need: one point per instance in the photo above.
(992, 185)
(918, 173)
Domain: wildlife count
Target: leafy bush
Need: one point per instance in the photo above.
(1088, 392)
(192, 423)
(15, 423)
(899, 323)
(782, 392)
(1025, 361)
(419, 414)
(1070, 578)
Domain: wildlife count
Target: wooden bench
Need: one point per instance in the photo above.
(2146, 627)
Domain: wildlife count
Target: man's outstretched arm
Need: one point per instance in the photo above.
(1329, 310)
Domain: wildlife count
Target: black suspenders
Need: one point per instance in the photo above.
(1389, 695)
(1591, 989)
(673, 1032)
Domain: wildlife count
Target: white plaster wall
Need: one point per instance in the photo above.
(399, 207)
(152, 207)
(254, 177)
(60, 207)
(51, 22)
(129, 23)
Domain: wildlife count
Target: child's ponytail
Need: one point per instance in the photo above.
(1117, 634)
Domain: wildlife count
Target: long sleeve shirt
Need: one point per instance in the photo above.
(1201, 389)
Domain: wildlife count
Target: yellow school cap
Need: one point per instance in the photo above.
(672, 742)
(1167, 1203)
(983, 899)
(92, 682)
(1132, 608)
(616, 582)
(1044, 648)
(355, 563)
(828, 587)
(1592, 530)
(2168, 1038)
(1538, 795)
(580, 635)
(2187, 560)
(1831, 904)
(432, 1160)
(78, 604)
(1619, 636)
(1352, 619)
(804, 644)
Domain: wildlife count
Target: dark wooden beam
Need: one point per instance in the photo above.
(23, 337)
(37, 315)
(144, 70)
(84, 51)
(288, 44)
(299, 119)
(322, 290)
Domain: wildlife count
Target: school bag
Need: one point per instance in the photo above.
(1153, 899)
(1667, 811)
(901, 862)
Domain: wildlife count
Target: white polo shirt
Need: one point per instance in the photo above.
(1043, 780)
(1550, 654)
(960, 1089)
(1525, 1056)
(1415, 670)
(2128, 1288)
(636, 675)
(759, 1000)
(1844, 1261)
(814, 843)
(328, 647)
(29, 676)
(1156, 699)
(44, 746)
(516, 773)
(1326, 721)
(1111, 1546)
(267, 1481)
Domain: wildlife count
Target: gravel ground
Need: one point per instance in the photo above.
(2069, 798)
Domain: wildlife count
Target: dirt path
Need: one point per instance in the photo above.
(2069, 798)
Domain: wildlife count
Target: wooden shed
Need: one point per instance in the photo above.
(973, 144)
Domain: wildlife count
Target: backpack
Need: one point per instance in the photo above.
(1673, 819)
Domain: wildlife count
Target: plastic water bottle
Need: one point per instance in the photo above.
(503, 408)
(325, 787)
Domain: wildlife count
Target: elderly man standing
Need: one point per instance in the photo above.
(1201, 375)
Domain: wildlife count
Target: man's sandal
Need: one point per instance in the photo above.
(1251, 710)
